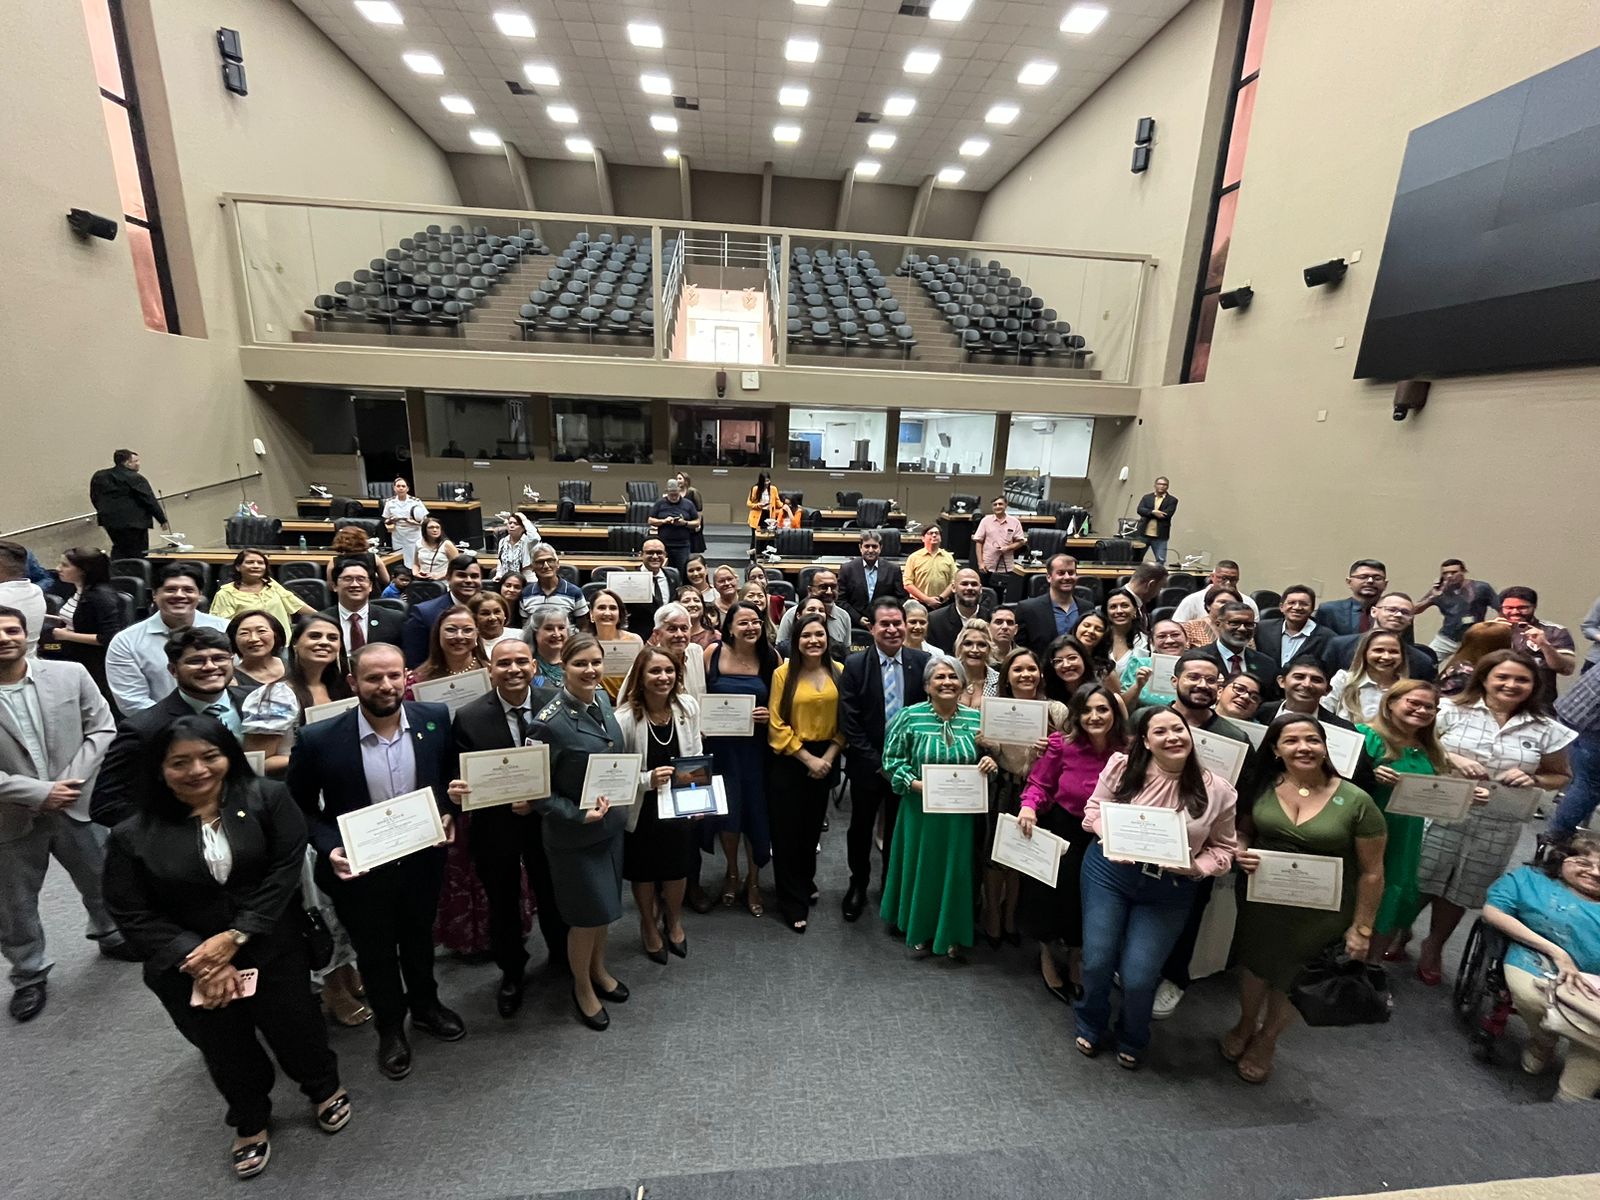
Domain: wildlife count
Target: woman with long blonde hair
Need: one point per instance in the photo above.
(1379, 662)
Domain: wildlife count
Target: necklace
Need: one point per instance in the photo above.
(650, 723)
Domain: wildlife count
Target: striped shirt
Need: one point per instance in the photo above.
(919, 736)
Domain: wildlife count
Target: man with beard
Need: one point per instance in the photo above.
(1367, 579)
(1234, 654)
(1393, 613)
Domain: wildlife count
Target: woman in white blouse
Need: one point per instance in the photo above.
(516, 548)
(1378, 663)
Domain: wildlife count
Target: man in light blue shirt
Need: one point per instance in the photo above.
(136, 659)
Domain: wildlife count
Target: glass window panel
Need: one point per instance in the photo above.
(1201, 358)
(1041, 447)
(1239, 138)
(468, 425)
(1221, 238)
(707, 436)
(946, 443)
(123, 159)
(836, 439)
(103, 46)
(602, 431)
(1257, 38)
(147, 277)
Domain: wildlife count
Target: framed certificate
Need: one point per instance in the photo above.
(614, 776)
(1253, 730)
(727, 716)
(1513, 803)
(498, 777)
(1298, 880)
(616, 657)
(951, 789)
(631, 587)
(1013, 722)
(1162, 668)
(452, 691)
(1344, 749)
(1440, 798)
(257, 760)
(321, 712)
(1038, 856)
(675, 804)
(692, 793)
(1135, 833)
(381, 833)
(1220, 755)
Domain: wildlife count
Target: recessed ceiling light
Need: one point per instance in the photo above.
(457, 104)
(881, 141)
(951, 175)
(670, 154)
(662, 123)
(899, 106)
(542, 74)
(380, 12)
(655, 85)
(423, 64)
(514, 24)
(922, 62)
(801, 49)
(974, 147)
(786, 133)
(812, 3)
(1083, 18)
(793, 95)
(867, 168)
(1037, 73)
(1001, 114)
(948, 10)
(580, 145)
(646, 34)
(485, 137)
(562, 114)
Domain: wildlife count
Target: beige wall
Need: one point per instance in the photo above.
(82, 374)
(1493, 469)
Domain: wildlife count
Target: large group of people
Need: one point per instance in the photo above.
(203, 831)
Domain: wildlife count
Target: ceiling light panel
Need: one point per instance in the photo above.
(801, 49)
(899, 106)
(423, 64)
(922, 62)
(881, 141)
(542, 74)
(949, 10)
(646, 34)
(1037, 73)
(787, 134)
(1001, 114)
(562, 114)
(655, 85)
(951, 175)
(662, 123)
(380, 12)
(868, 169)
(485, 137)
(794, 95)
(812, 3)
(580, 145)
(514, 24)
(457, 104)
(670, 154)
(974, 147)
(1083, 18)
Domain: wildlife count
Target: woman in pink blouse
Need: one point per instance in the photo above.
(1133, 913)
(1058, 787)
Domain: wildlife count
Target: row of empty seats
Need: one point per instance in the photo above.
(992, 312)
(841, 299)
(597, 284)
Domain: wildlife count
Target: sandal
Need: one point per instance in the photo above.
(752, 897)
(1085, 1047)
(1429, 976)
(1129, 1062)
(335, 1115)
(730, 890)
(1254, 1071)
(1233, 1053)
(798, 926)
(250, 1159)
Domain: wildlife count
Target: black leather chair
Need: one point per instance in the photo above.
(424, 589)
(298, 569)
(1164, 613)
(891, 542)
(313, 591)
(639, 512)
(1185, 580)
(810, 518)
(1114, 550)
(578, 490)
(1047, 542)
(136, 589)
(592, 589)
(242, 531)
(1171, 597)
(847, 499)
(380, 490)
(870, 514)
(793, 543)
(1037, 585)
(1086, 595)
(390, 602)
(643, 489)
(1266, 598)
(135, 568)
(959, 498)
(344, 506)
(371, 526)
(125, 608)
(566, 511)
(627, 539)
(449, 488)
(777, 587)
(570, 574)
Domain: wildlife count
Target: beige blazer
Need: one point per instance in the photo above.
(636, 735)
(77, 729)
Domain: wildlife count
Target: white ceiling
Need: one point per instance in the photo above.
(729, 55)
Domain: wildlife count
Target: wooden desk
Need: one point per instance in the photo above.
(1035, 520)
(585, 511)
(588, 564)
(575, 537)
(462, 519)
(223, 556)
(832, 518)
(1017, 582)
(840, 537)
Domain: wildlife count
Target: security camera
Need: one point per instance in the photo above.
(87, 224)
(722, 384)
(1410, 395)
(1240, 297)
(1331, 271)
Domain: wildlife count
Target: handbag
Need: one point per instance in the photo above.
(1334, 989)
(319, 939)
(1573, 1013)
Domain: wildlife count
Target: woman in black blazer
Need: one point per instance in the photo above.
(204, 883)
(92, 615)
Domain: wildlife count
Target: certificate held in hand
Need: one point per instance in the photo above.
(614, 776)
(631, 587)
(323, 712)
(391, 829)
(727, 716)
(616, 656)
(1007, 722)
(452, 691)
(1137, 833)
(512, 776)
(951, 789)
(1438, 798)
(1220, 755)
(1038, 856)
(1297, 880)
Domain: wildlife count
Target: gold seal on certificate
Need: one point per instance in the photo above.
(614, 776)
(1440, 799)
(951, 789)
(257, 760)
(616, 656)
(1038, 856)
(727, 716)
(1220, 755)
(631, 587)
(452, 691)
(1297, 880)
(381, 833)
(1007, 722)
(321, 712)
(496, 777)
(1137, 833)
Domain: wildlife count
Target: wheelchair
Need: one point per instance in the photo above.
(1481, 999)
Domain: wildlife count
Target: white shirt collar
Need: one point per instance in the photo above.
(364, 728)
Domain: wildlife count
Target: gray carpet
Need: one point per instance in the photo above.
(763, 1065)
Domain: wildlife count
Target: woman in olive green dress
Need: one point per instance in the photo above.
(1402, 740)
(928, 888)
(1308, 810)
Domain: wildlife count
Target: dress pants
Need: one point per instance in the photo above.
(868, 792)
(80, 847)
(796, 806)
(129, 543)
(282, 1011)
(389, 916)
(678, 559)
(503, 846)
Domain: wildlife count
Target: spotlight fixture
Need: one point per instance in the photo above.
(87, 224)
(1331, 271)
(1240, 297)
(1410, 395)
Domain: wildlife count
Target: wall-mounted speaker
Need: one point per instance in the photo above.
(1145, 132)
(231, 47)
(1240, 297)
(1141, 159)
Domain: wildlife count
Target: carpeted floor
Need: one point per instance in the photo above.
(770, 1065)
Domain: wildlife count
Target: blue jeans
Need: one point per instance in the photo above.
(1583, 793)
(1158, 550)
(1131, 921)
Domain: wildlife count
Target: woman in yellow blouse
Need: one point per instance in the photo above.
(253, 589)
(764, 505)
(803, 731)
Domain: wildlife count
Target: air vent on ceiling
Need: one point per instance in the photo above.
(685, 102)
(518, 89)
(866, 118)
(911, 8)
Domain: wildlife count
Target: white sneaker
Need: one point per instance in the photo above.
(1168, 996)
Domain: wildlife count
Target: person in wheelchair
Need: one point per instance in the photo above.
(1551, 913)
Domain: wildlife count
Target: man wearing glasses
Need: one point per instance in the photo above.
(1393, 613)
(825, 587)
(549, 588)
(1367, 579)
(1234, 654)
(642, 617)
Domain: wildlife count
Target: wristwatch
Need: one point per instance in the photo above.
(239, 936)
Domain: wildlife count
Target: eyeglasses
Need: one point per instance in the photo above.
(206, 660)
(655, 553)
(1239, 624)
(826, 587)
(1369, 578)
(1244, 689)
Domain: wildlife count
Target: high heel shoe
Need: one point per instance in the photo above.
(600, 1022)
(658, 955)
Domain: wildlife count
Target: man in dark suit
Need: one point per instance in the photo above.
(876, 684)
(642, 617)
(1156, 509)
(1045, 617)
(509, 839)
(866, 579)
(1232, 651)
(966, 602)
(125, 504)
(381, 749)
(1393, 613)
(1284, 639)
(463, 581)
(1367, 579)
(201, 660)
(359, 620)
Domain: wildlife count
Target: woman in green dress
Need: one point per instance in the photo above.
(1401, 740)
(1307, 810)
(929, 885)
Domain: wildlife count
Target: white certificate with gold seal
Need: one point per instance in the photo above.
(380, 833)
(510, 776)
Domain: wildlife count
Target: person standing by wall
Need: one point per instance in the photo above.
(125, 504)
(403, 513)
(1156, 510)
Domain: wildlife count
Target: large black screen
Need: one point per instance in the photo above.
(1492, 259)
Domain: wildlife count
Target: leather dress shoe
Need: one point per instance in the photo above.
(394, 1054)
(27, 1002)
(441, 1023)
(854, 903)
(600, 1022)
(119, 950)
(681, 949)
(509, 998)
(617, 995)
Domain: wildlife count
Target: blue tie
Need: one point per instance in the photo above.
(891, 688)
(225, 714)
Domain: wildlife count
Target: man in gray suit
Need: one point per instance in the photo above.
(54, 726)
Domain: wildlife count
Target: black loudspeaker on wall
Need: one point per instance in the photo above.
(1144, 136)
(231, 48)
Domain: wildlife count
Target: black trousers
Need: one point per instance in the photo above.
(1177, 966)
(869, 791)
(129, 543)
(283, 1012)
(389, 916)
(796, 806)
(503, 846)
(678, 559)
